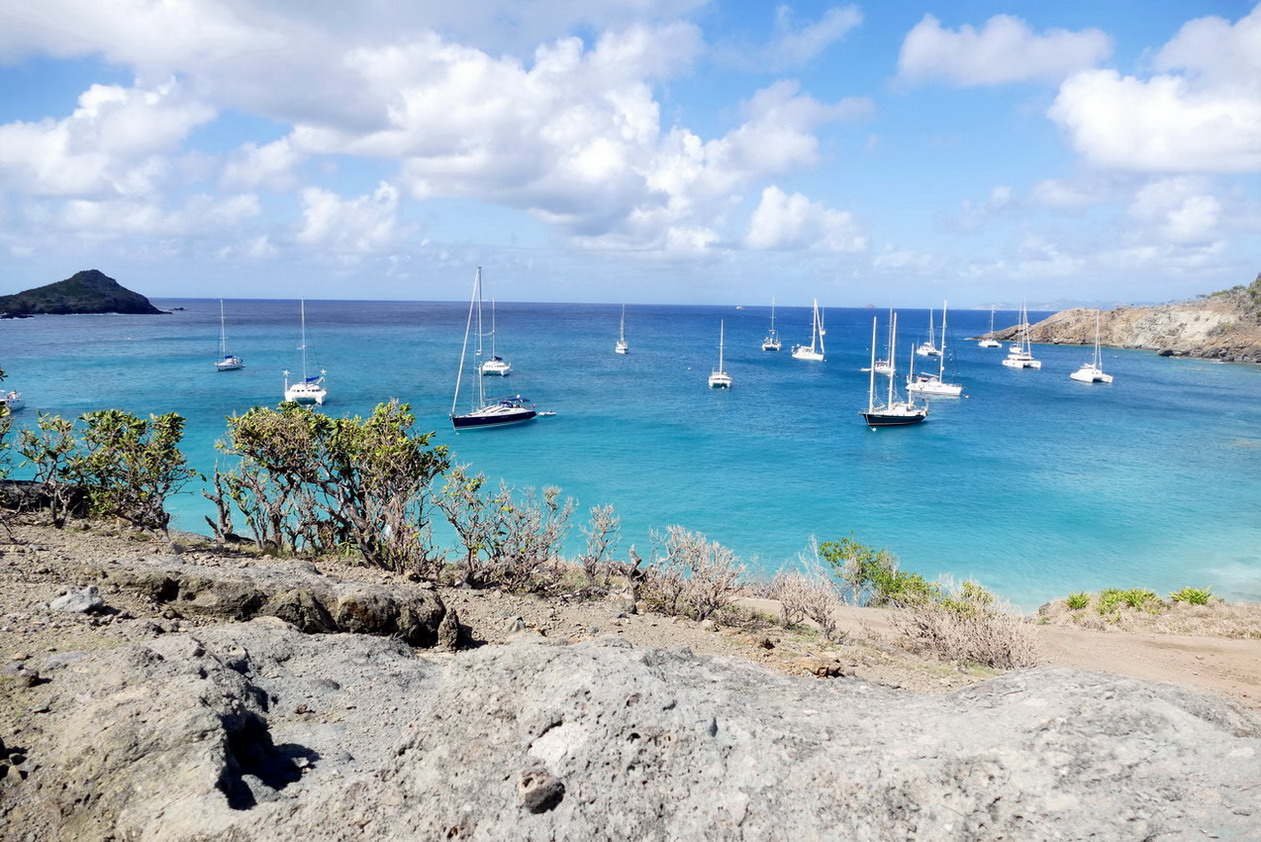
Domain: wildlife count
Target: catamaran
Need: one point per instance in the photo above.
(1092, 372)
(499, 412)
(935, 384)
(226, 361)
(496, 365)
(929, 348)
(989, 341)
(310, 389)
(1019, 354)
(719, 378)
(813, 351)
(771, 342)
(621, 347)
(893, 412)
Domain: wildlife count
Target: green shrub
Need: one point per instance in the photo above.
(1192, 596)
(1078, 601)
(1111, 599)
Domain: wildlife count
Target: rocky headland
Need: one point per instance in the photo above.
(1224, 326)
(185, 691)
(87, 292)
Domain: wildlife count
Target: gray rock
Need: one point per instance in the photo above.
(242, 734)
(79, 601)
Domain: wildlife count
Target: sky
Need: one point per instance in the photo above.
(645, 151)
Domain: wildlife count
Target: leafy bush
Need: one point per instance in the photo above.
(307, 482)
(1078, 601)
(526, 532)
(967, 623)
(1192, 596)
(1111, 599)
(690, 574)
(871, 576)
(48, 449)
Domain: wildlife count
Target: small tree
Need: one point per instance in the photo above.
(526, 533)
(48, 449)
(471, 515)
(690, 571)
(871, 576)
(130, 466)
(603, 532)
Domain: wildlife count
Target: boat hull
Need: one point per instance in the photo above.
(935, 388)
(880, 418)
(497, 367)
(504, 413)
(12, 401)
(1017, 362)
(1087, 374)
(229, 363)
(989, 343)
(807, 354)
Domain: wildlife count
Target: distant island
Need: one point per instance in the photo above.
(1223, 326)
(89, 291)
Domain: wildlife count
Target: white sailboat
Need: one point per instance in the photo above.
(989, 341)
(893, 412)
(1092, 372)
(11, 400)
(771, 342)
(813, 351)
(483, 414)
(310, 389)
(621, 347)
(929, 348)
(1019, 354)
(935, 384)
(226, 361)
(496, 365)
(719, 378)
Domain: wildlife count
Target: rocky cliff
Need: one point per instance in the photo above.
(1223, 326)
(90, 291)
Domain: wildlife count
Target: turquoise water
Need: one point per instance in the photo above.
(1034, 484)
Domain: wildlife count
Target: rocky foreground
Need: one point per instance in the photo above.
(157, 716)
(1225, 326)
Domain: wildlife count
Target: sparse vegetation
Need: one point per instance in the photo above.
(1077, 601)
(966, 623)
(1192, 596)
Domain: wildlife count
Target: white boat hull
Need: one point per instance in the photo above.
(306, 393)
(496, 367)
(800, 353)
(720, 380)
(1022, 362)
(990, 343)
(1089, 374)
(229, 363)
(620, 348)
(933, 387)
(12, 401)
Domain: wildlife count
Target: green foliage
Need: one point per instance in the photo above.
(1111, 599)
(49, 448)
(871, 576)
(305, 482)
(1192, 596)
(1078, 601)
(130, 466)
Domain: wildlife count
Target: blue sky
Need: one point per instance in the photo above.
(674, 151)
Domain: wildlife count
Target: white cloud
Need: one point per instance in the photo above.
(1178, 210)
(1004, 50)
(795, 44)
(115, 142)
(198, 216)
(794, 222)
(360, 225)
(270, 166)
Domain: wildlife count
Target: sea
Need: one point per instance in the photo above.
(1032, 484)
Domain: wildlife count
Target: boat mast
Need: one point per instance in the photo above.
(721, 324)
(893, 335)
(459, 372)
(941, 367)
(772, 318)
(621, 333)
(223, 335)
(492, 329)
(481, 386)
(871, 383)
(303, 345)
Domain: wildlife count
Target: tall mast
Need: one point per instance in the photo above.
(893, 336)
(721, 326)
(871, 383)
(481, 387)
(941, 366)
(303, 345)
(223, 335)
(459, 372)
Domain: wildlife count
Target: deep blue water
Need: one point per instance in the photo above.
(1034, 484)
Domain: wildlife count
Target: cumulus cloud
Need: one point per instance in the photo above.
(270, 166)
(116, 142)
(198, 216)
(1178, 210)
(1004, 50)
(794, 222)
(359, 225)
(1206, 118)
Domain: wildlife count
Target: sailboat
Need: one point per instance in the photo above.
(483, 414)
(496, 364)
(718, 378)
(1019, 355)
(893, 412)
(226, 361)
(813, 351)
(310, 389)
(989, 341)
(935, 384)
(883, 366)
(11, 400)
(621, 347)
(771, 342)
(929, 348)
(1092, 372)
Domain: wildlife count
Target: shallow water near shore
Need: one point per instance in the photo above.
(1032, 483)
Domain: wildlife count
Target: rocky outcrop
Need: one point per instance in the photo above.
(255, 731)
(1225, 326)
(90, 291)
(296, 592)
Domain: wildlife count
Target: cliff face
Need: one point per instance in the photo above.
(1224, 326)
(90, 291)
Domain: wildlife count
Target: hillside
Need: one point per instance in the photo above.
(1223, 326)
(89, 291)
